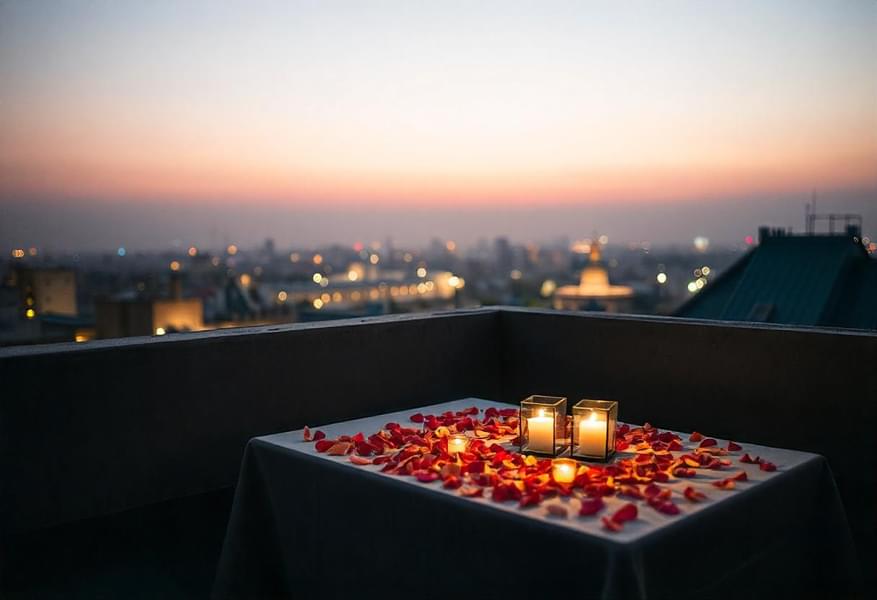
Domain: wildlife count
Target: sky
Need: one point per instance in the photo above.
(138, 123)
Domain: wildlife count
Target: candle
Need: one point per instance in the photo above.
(592, 435)
(563, 470)
(457, 443)
(541, 433)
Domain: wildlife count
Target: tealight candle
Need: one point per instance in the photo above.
(541, 430)
(563, 470)
(592, 435)
(457, 443)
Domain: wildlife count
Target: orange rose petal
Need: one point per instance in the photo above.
(358, 460)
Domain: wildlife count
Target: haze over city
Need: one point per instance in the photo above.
(142, 124)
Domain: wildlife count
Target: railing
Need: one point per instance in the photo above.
(86, 430)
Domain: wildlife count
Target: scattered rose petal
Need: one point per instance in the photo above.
(612, 524)
(319, 435)
(307, 434)
(741, 476)
(416, 418)
(708, 442)
(734, 447)
(748, 459)
(628, 512)
(532, 499)
(425, 476)
(725, 484)
(693, 495)
(471, 491)
(591, 506)
(557, 510)
(338, 448)
(695, 437)
(323, 445)
(358, 460)
(765, 465)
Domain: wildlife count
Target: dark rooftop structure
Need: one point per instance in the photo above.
(826, 280)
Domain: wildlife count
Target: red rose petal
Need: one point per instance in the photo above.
(532, 499)
(416, 418)
(612, 524)
(453, 482)
(693, 495)
(358, 460)
(683, 472)
(379, 460)
(471, 491)
(591, 506)
(725, 484)
(734, 447)
(741, 476)
(628, 512)
(748, 459)
(307, 434)
(695, 437)
(667, 507)
(508, 412)
(651, 490)
(767, 466)
(425, 476)
(319, 435)
(323, 445)
(708, 442)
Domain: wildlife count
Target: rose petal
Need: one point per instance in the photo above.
(452, 482)
(557, 510)
(734, 447)
(748, 459)
(532, 499)
(725, 484)
(307, 434)
(471, 491)
(338, 448)
(693, 495)
(416, 418)
(319, 435)
(612, 524)
(741, 476)
(323, 445)
(695, 437)
(708, 442)
(767, 466)
(628, 512)
(425, 476)
(591, 506)
(358, 460)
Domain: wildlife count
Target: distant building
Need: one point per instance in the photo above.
(46, 291)
(824, 280)
(594, 291)
(123, 316)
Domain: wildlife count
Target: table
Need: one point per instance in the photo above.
(305, 524)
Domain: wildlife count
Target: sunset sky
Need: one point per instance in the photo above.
(421, 108)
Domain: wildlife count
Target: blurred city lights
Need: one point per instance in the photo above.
(160, 331)
(661, 278)
(231, 250)
(318, 259)
(175, 265)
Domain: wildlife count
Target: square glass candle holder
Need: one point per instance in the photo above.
(593, 429)
(457, 443)
(542, 425)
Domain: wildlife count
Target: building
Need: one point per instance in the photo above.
(826, 280)
(46, 291)
(594, 291)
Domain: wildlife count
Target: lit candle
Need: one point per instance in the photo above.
(563, 470)
(541, 433)
(592, 435)
(457, 443)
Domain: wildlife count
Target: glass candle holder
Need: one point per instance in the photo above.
(563, 470)
(593, 429)
(542, 425)
(457, 443)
